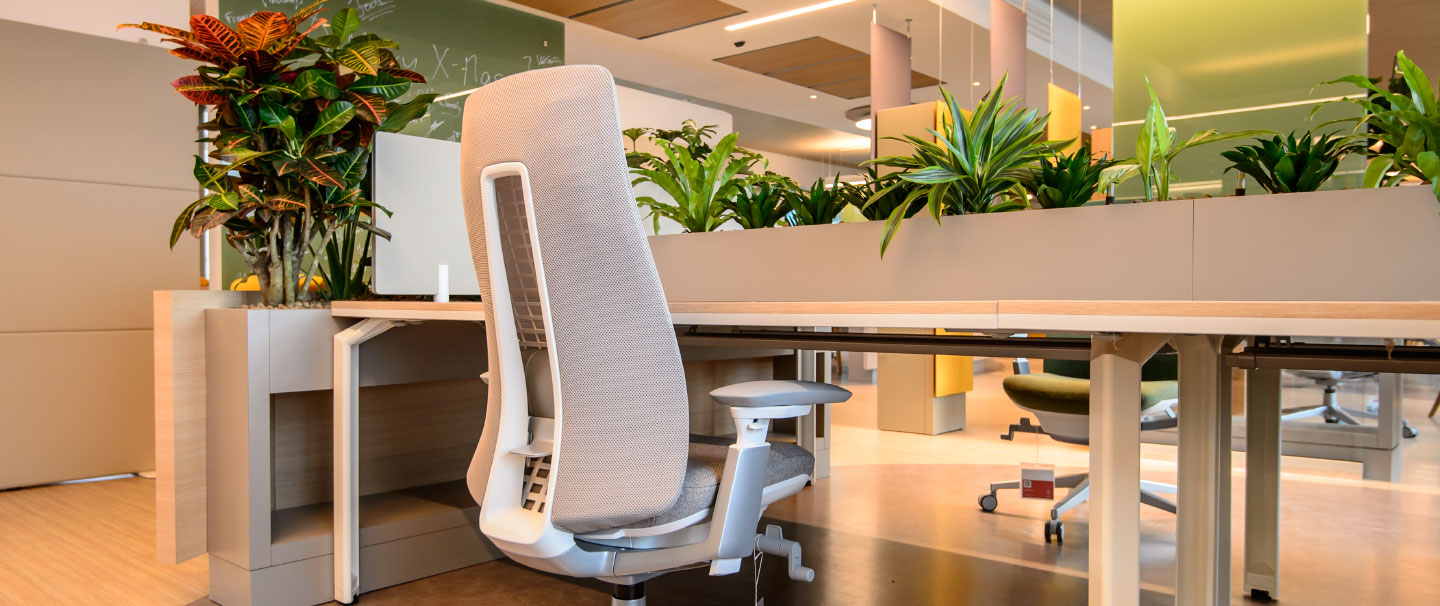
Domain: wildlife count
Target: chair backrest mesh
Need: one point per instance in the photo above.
(623, 411)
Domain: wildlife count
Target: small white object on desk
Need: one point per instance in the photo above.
(442, 288)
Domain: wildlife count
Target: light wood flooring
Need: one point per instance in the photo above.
(896, 523)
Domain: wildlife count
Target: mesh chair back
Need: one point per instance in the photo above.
(623, 415)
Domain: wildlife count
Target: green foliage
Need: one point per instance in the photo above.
(699, 188)
(1293, 164)
(1063, 181)
(977, 165)
(760, 202)
(291, 120)
(819, 206)
(1408, 126)
(877, 201)
(1156, 147)
(346, 259)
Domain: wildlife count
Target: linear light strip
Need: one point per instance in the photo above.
(786, 15)
(1240, 110)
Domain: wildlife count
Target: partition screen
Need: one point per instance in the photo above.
(1234, 60)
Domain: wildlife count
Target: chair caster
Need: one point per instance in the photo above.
(1054, 530)
(1261, 595)
(988, 502)
(1409, 430)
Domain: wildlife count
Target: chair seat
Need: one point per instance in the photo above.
(707, 464)
(1068, 395)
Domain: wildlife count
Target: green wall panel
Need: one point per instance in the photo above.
(456, 44)
(1212, 55)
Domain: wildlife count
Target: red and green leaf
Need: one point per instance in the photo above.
(173, 32)
(364, 58)
(282, 202)
(264, 29)
(225, 200)
(260, 63)
(370, 107)
(202, 55)
(199, 91)
(309, 11)
(404, 73)
(321, 173)
(217, 36)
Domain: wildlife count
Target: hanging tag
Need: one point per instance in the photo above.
(1037, 481)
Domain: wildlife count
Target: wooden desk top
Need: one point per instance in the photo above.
(1417, 319)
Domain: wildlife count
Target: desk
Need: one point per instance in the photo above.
(1126, 333)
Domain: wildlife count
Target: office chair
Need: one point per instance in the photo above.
(1329, 407)
(585, 467)
(1060, 399)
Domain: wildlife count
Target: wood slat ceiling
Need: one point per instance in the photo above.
(638, 19)
(818, 64)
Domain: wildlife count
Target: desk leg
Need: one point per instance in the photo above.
(1385, 465)
(1203, 511)
(347, 469)
(1115, 465)
(813, 430)
(1262, 483)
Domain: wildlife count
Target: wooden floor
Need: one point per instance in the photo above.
(896, 523)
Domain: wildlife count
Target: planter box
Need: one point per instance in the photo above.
(1371, 244)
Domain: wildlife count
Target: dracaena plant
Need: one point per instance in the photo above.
(291, 119)
(975, 163)
(821, 205)
(1407, 126)
(863, 196)
(698, 188)
(1064, 181)
(760, 202)
(1156, 147)
(1292, 164)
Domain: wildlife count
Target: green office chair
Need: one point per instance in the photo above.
(1060, 399)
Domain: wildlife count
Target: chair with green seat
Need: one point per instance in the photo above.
(1060, 399)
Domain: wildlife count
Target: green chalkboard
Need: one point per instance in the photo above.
(456, 44)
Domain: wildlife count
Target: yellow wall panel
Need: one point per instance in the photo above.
(953, 374)
(1064, 117)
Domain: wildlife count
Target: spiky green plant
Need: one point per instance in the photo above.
(760, 202)
(1408, 125)
(1064, 181)
(820, 205)
(1293, 164)
(977, 163)
(863, 195)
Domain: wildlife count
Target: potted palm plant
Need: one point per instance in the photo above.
(290, 121)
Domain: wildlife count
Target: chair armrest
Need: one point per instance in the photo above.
(779, 393)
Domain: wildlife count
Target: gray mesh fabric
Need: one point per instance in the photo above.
(707, 464)
(623, 409)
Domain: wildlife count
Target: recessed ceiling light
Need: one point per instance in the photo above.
(814, 97)
(787, 14)
(976, 83)
(1093, 127)
(1085, 107)
(864, 124)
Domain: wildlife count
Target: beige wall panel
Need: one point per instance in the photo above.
(75, 405)
(91, 93)
(81, 256)
(708, 417)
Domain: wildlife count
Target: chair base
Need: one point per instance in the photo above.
(1331, 410)
(1079, 485)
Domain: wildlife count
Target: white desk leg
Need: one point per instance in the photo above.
(347, 469)
(1385, 465)
(1262, 483)
(813, 430)
(1115, 465)
(1203, 509)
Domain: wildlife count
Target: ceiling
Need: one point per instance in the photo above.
(817, 63)
(781, 116)
(1097, 13)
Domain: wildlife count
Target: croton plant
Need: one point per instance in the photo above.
(290, 122)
